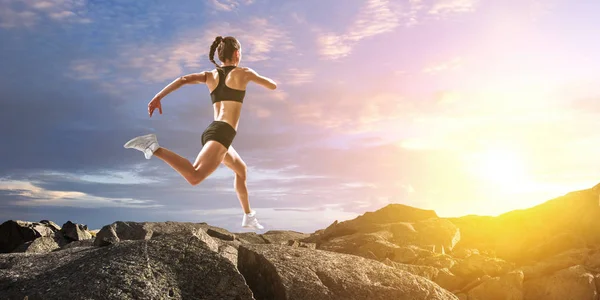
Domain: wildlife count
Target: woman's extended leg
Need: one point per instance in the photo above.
(234, 162)
(209, 158)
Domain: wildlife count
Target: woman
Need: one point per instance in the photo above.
(227, 85)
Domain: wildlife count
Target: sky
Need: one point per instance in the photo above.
(459, 106)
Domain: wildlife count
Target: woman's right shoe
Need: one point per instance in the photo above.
(145, 143)
(250, 221)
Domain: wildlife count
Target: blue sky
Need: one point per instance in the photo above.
(461, 106)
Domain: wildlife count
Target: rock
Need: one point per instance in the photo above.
(220, 234)
(558, 262)
(131, 231)
(525, 236)
(430, 273)
(572, 283)
(591, 258)
(556, 245)
(409, 254)
(283, 236)
(506, 287)
(296, 243)
(392, 213)
(229, 252)
(367, 245)
(280, 272)
(176, 265)
(250, 238)
(464, 253)
(439, 261)
(449, 281)
(436, 231)
(51, 225)
(75, 232)
(15, 233)
(43, 244)
(42, 229)
(75, 244)
(478, 265)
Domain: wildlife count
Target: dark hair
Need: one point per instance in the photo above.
(225, 47)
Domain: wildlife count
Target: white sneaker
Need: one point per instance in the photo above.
(145, 143)
(250, 221)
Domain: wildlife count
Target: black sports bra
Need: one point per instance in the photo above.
(222, 91)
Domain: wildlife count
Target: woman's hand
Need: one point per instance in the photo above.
(155, 103)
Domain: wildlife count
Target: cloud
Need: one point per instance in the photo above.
(228, 5)
(374, 18)
(160, 61)
(450, 65)
(29, 194)
(356, 112)
(445, 7)
(28, 13)
(295, 76)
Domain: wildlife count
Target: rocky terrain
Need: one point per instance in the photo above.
(550, 251)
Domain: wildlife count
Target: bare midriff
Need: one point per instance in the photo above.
(228, 111)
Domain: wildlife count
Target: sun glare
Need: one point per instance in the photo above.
(499, 166)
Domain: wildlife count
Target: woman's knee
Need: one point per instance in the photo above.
(242, 172)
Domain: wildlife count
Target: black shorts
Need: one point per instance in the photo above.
(219, 131)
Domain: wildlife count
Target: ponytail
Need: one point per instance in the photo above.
(213, 48)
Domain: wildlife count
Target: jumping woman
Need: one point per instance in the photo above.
(227, 86)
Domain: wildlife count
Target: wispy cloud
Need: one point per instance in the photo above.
(452, 64)
(374, 18)
(445, 7)
(295, 76)
(153, 62)
(228, 5)
(31, 195)
(417, 11)
(28, 13)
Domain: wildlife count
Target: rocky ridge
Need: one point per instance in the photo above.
(550, 251)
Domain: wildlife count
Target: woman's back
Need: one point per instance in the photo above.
(235, 82)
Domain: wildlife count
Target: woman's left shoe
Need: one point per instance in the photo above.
(250, 221)
(145, 143)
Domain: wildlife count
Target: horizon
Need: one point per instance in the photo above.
(463, 107)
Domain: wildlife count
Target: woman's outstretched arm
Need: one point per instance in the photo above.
(177, 83)
(262, 80)
(193, 78)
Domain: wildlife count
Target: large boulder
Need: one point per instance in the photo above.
(526, 236)
(558, 262)
(75, 232)
(280, 272)
(574, 283)
(438, 232)
(477, 265)
(123, 231)
(369, 245)
(177, 265)
(372, 221)
(14, 233)
(506, 287)
(42, 244)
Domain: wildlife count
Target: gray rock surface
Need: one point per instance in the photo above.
(286, 273)
(283, 236)
(176, 265)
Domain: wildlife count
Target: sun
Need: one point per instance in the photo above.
(499, 166)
